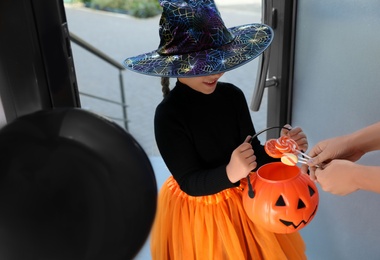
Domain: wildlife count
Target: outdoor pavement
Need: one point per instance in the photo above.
(120, 36)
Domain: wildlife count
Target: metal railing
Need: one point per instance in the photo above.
(122, 103)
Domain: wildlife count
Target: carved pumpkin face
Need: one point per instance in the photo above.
(285, 200)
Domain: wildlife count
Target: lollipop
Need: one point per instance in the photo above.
(285, 148)
(271, 150)
(277, 147)
(285, 144)
(289, 159)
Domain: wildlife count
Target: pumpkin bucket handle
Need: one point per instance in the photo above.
(267, 129)
(251, 192)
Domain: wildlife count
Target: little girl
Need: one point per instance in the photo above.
(203, 130)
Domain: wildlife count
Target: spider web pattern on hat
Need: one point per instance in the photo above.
(195, 42)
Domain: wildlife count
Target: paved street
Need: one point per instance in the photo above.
(120, 36)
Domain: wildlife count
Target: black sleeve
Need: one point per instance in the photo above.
(182, 159)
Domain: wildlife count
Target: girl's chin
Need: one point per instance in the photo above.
(209, 90)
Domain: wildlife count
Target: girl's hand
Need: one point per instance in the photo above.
(297, 135)
(242, 161)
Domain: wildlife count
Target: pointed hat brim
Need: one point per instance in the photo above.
(249, 42)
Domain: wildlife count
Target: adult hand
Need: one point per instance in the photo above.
(327, 150)
(242, 161)
(338, 177)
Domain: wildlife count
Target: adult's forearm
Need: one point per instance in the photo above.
(369, 178)
(366, 139)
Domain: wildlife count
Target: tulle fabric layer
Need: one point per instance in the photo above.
(214, 227)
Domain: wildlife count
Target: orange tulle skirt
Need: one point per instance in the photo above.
(214, 227)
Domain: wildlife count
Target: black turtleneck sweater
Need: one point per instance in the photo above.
(197, 133)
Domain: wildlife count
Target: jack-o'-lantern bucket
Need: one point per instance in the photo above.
(280, 198)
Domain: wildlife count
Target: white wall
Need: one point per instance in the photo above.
(337, 91)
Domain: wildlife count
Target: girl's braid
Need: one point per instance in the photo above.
(165, 86)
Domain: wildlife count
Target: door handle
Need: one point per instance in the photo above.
(261, 81)
(270, 17)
